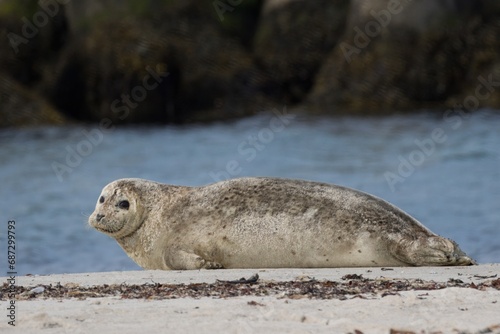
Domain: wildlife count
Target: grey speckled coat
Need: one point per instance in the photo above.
(264, 223)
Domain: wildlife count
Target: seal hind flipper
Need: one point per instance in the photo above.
(430, 251)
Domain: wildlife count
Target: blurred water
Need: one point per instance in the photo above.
(452, 185)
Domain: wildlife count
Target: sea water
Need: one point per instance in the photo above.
(444, 171)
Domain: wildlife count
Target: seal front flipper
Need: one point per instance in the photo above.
(182, 260)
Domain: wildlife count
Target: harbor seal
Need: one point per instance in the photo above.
(264, 223)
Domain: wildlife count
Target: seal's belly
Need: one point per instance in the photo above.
(307, 252)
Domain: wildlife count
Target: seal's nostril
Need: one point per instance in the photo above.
(99, 217)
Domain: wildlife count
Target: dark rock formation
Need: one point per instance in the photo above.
(407, 56)
(175, 65)
(292, 40)
(31, 36)
(22, 107)
(176, 61)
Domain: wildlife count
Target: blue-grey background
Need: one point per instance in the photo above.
(454, 189)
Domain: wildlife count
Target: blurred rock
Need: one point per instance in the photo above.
(21, 107)
(490, 8)
(419, 16)
(210, 76)
(176, 61)
(238, 18)
(480, 86)
(392, 58)
(33, 32)
(292, 39)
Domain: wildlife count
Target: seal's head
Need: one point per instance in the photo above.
(119, 211)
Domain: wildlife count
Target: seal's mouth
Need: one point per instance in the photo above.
(103, 228)
(107, 231)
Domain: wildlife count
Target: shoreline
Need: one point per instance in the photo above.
(439, 274)
(455, 299)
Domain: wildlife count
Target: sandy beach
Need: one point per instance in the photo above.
(347, 300)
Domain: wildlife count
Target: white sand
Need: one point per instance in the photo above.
(449, 310)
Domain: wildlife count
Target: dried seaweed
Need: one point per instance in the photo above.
(351, 286)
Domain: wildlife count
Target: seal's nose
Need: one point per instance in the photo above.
(98, 217)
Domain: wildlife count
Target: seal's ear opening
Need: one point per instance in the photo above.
(124, 205)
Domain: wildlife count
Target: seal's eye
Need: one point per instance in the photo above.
(101, 199)
(124, 205)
